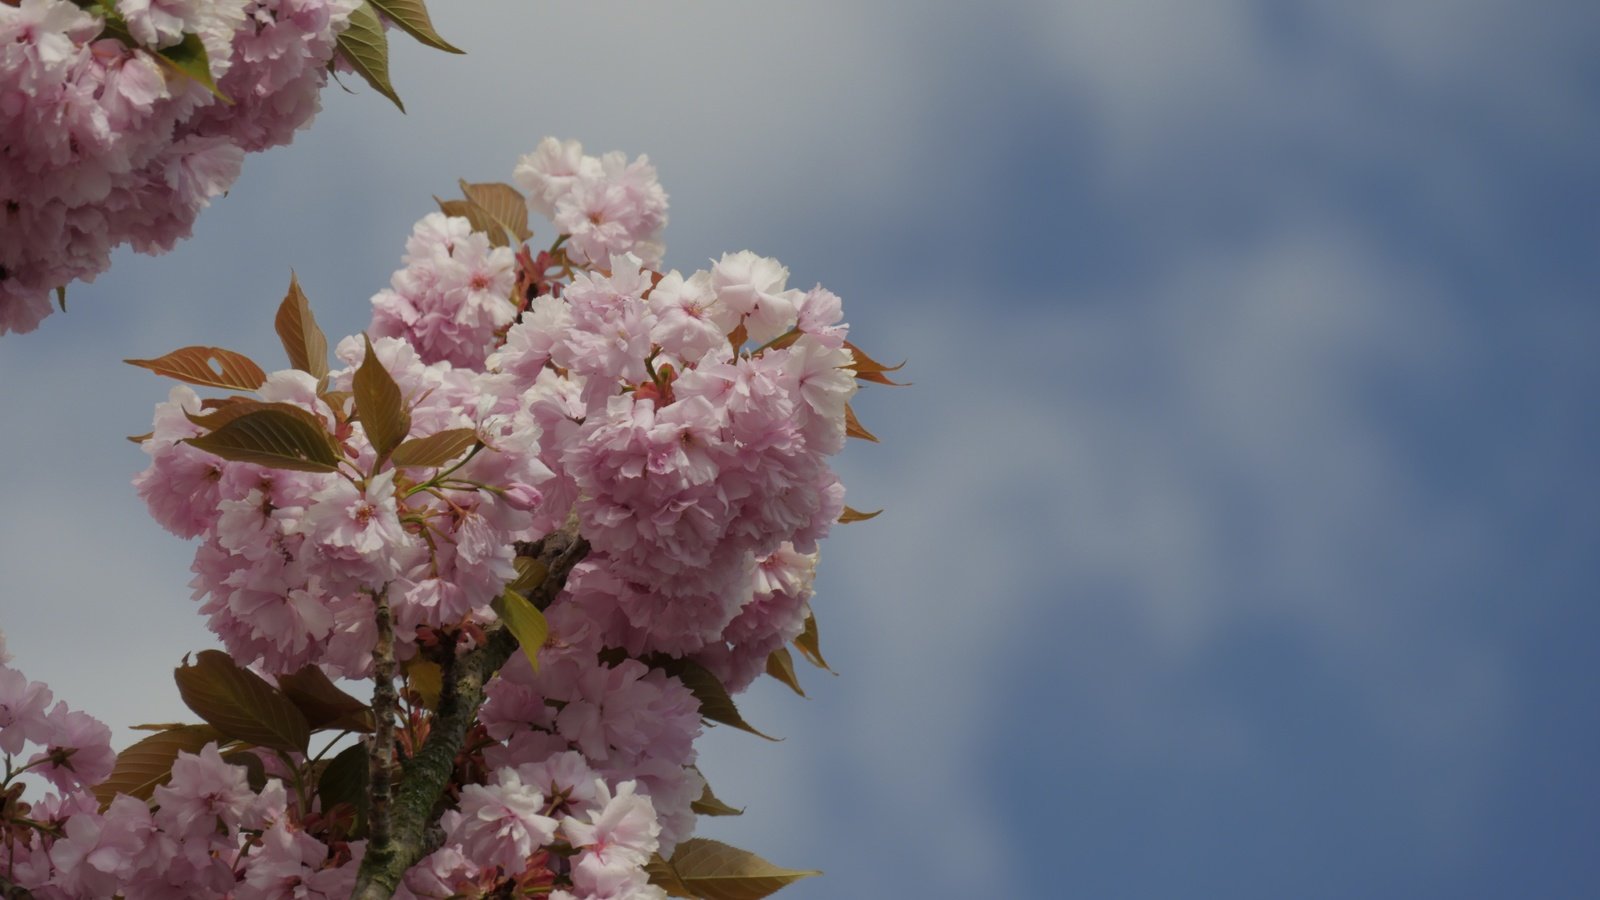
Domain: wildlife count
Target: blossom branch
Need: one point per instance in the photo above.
(415, 802)
(380, 756)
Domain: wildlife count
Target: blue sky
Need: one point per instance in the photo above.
(1242, 521)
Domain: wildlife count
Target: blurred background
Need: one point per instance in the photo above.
(1242, 530)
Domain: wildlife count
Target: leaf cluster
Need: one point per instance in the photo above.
(364, 45)
(244, 713)
(285, 436)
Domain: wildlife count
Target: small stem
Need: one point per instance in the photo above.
(297, 779)
(774, 341)
(439, 478)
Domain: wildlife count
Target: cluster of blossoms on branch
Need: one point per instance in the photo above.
(623, 471)
(124, 118)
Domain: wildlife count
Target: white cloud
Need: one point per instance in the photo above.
(1168, 82)
(1185, 463)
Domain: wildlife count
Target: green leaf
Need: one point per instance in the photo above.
(412, 17)
(188, 58)
(322, 703)
(146, 765)
(208, 367)
(436, 449)
(530, 574)
(302, 339)
(383, 413)
(366, 48)
(780, 665)
(345, 780)
(241, 704)
(709, 805)
(278, 435)
(716, 704)
(856, 515)
(808, 644)
(61, 296)
(711, 870)
(425, 678)
(525, 621)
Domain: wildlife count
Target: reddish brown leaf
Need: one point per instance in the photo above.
(505, 207)
(808, 644)
(780, 665)
(853, 427)
(241, 704)
(207, 366)
(716, 704)
(435, 449)
(709, 805)
(322, 703)
(869, 369)
(278, 435)
(302, 338)
(378, 402)
(711, 870)
(146, 765)
(856, 515)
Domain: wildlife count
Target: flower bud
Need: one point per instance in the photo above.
(521, 496)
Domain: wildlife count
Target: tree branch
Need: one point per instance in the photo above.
(426, 774)
(380, 753)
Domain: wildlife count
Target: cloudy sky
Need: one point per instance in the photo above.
(1242, 534)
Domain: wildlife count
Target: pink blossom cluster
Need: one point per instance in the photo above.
(503, 828)
(290, 561)
(688, 484)
(107, 146)
(204, 835)
(72, 750)
(606, 205)
(450, 300)
(684, 421)
(207, 835)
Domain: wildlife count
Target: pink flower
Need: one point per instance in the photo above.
(752, 288)
(159, 23)
(78, 749)
(356, 524)
(552, 170)
(22, 711)
(689, 324)
(622, 832)
(501, 823)
(98, 854)
(204, 790)
(452, 296)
